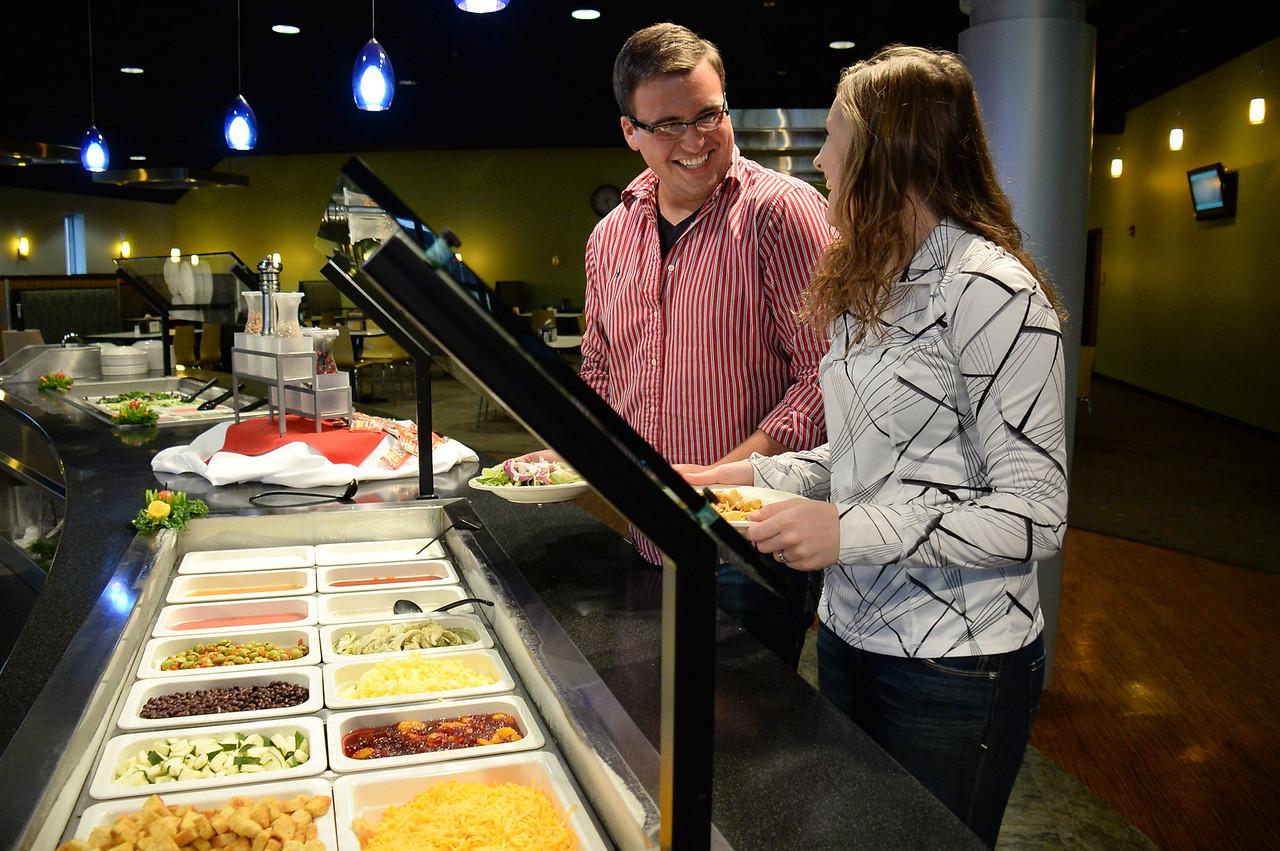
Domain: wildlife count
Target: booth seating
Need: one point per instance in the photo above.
(81, 311)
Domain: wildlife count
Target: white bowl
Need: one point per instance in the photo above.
(254, 558)
(534, 494)
(105, 813)
(340, 724)
(159, 649)
(328, 575)
(104, 787)
(231, 586)
(300, 611)
(767, 496)
(369, 552)
(380, 605)
(339, 675)
(368, 794)
(143, 690)
(329, 636)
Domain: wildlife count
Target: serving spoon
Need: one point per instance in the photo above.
(408, 607)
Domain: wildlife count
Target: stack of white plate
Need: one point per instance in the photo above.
(123, 360)
(155, 353)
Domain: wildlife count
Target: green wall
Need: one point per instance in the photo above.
(1189, 309)
(521, 214)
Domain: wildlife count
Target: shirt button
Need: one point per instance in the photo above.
(671, 268)
(653, 362)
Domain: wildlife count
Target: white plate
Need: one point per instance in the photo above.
(103, 787)
(159, 649)
(301, 611)
(230, 586)
(257, 558)
(370, 552)
(339, 675)
(340, 724)
(526, 494)
(329, 636)
(765, 495)
(380, 605)
(326, 576)
(144, 690)
(104, 814)
(368, 794)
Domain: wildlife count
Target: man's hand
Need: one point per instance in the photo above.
(803, 534)
(734, 473)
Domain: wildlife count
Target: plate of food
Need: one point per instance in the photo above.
(517, 480)
(738, 501)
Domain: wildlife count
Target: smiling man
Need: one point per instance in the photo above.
(693, 282)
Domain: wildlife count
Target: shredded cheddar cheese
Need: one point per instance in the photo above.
(457, 816)
(414, 674)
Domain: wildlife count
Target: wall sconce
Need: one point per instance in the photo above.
(1175, 139)
(125, 248)
(24, 248)
(1117, 167)
(175, 256)
(1257, 110)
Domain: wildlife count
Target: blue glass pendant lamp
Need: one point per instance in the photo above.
(94, 154)
(240, 127)
(373, 81)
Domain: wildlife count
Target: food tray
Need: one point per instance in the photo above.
(103, 814)
(367, 795)
(230, 586)
(330, 632)
(158, 649)
(380, 605)
(300, 610)
(103, 787)
(339, 675)
(368, 552)
(342, 723)
(144, 690)
(255, 558)
(326, 576)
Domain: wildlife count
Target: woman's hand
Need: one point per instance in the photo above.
(733, 473)
(803, 534)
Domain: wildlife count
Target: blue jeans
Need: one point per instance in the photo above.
(779, 624)
(960, 725)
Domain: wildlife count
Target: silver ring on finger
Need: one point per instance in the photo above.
(781, 555)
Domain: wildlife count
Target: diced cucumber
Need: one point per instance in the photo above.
(190, 774)
(154, 758)
(281, 741)
(246, 760)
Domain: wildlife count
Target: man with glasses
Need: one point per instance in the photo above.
(693, 284)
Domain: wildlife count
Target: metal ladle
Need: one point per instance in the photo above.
(408, 607)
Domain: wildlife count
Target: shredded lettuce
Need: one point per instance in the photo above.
(516, 473)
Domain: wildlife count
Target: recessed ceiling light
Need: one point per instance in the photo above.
(585, 14)
(131, 69)
(406, 82)
(841, 45)
(137, 157)
(285, 29)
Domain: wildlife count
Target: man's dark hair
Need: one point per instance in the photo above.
(656, 51)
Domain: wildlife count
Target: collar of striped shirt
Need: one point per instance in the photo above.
(645, 186)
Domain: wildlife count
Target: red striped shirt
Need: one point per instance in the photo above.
(699, 350)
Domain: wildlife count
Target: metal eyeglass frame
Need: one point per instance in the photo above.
(666, 130)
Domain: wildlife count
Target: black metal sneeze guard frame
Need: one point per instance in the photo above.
(418, 304)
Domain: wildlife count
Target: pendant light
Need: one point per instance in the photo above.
(373, 81)
(481, 7)
(1258, 106)
(240, 128)
(94, 155)
(1175, 134)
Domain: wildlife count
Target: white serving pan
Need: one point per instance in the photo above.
(339, 675)
(342, 723)
(369, 552)
(302, 610)
(326, 576)
(144, 690)
(368, 794)
(329, 636)
(228, 586)
(103, 787)
(158, 649)
(260, 558)
(380, 605)
(105, 813)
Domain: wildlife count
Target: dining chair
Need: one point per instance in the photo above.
(184, 346)
(15, 340)
(210, 345)
(539, 316)
(344, 357)
(386, 354)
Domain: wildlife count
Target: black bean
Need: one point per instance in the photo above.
(274, 695)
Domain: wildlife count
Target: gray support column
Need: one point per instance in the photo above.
(1032, 63)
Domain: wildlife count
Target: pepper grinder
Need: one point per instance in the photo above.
(269, 283)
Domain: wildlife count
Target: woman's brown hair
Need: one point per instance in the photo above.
(917, 129)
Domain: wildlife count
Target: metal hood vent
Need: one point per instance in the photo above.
(784, 140)
(170, 178)
(15, 153)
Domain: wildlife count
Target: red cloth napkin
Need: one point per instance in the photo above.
(339, 444)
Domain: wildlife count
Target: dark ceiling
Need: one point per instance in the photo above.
(529, 76)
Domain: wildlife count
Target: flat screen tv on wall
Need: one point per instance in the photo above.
(1213, 192)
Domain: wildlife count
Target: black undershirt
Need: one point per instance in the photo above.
(669, 233)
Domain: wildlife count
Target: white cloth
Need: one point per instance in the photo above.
(296, 465)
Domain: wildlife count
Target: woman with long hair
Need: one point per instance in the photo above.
(943, 479)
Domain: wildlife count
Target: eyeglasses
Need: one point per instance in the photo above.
(673, 130)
